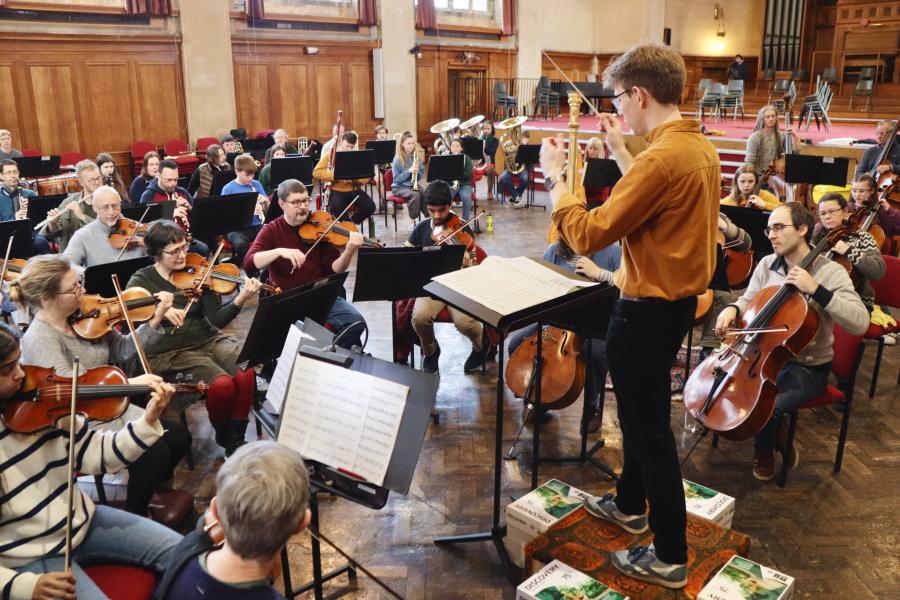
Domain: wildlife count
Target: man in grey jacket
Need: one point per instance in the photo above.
(830, 292)
(91, 245)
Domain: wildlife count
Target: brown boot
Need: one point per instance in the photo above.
(764, 464)
(790, 455)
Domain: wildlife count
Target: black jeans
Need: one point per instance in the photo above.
(641, 344)
(362, 209)
(240, 242)
(155, 466)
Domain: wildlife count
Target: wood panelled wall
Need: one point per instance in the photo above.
(91, 94)
(433, 80)
(277, 85)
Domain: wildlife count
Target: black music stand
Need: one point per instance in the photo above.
(601, 172)
(543, 312)
(221, 179)
(354, 164)
(39, 206)
(22, 232)
(98, 279)
(754, 222)
(815, 170)
(216, 215)
(229, 158)
(473, 148)
(529, 155)
(291, 167)
(384, 150)
(158, 210)
(37, 166)
(448, 167)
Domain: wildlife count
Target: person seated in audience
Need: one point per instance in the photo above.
(195, 345)
(50, 286)
(867, 162)
(280, 137)
(830, 291)
(112, 177)
(464, 191)
(149, 169)
(35, 503)
(404, 173)
(490, 150)
(744, 181)
(279, 249)
(245, 168)
(766, 143)
(262, 499)
(265, 174)
(505, 185)
(887, 217)
(6, 148)
(91, 245)
(438, 197)
(738, 68)
(201, 181)
(14, 201)
(165, 188)
(77, 209)
(343, 192)
(229, 144)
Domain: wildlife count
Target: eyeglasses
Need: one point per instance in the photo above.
(777, 228)
(78, 288)
(98, 179)
(616, 100)
(106, 207)
(297, 202)
(183, 249)
(828, 213)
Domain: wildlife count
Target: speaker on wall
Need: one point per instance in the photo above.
(667, 36)
(378, 82)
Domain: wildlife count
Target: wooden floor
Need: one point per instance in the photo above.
(837, 534)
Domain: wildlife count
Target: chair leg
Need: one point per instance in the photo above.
(101, 491)
(792, 431)
(842, 437)
(876, 367)
(190, 454)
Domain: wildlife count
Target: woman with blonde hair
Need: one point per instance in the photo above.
(766, 143)
(405, 173)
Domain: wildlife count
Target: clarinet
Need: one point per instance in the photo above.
(183, 221)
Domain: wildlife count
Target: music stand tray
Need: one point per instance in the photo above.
(216, 215)
(816, 170)
(221, 179)
(98, 279)
(384, 150)
(21, 231)
(528, 154)
(158, 210)
(39, 206)
(291, 167)
(601, 172)
(449, 167)
(354, 164)
(473, 148)
(37, 166)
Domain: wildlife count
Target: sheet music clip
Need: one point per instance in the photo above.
(326, 354)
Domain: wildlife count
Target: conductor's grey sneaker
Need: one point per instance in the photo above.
(605, 508)
(640, 562)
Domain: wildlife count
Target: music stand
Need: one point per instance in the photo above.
(98, 279)
(754, 222)
(540, 313)
(37, 166)
(291, 167)
(384, 150)
(229, 158)
(221, 179)
(449, 167)
(473, 148)
(158, 210)
(529, 155)
(216, 215)
(816, 170)
(21, 231)
(601, 172)
(39, 206)
(354, 164)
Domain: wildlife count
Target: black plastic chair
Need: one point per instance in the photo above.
(503, 101)
(545, 98)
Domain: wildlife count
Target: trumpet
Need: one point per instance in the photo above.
(415, 171)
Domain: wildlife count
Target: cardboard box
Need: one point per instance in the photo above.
(558, 581)
(742, 579)
(708, 504)
(538, 510)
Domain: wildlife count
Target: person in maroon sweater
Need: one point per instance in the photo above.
(279, 249)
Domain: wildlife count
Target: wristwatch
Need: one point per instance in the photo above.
(551, 181)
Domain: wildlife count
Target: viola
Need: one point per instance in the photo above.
(453, 231)
(98, 315)
(13, 267)
(45, 397)
(732, 392)
(740, 264)
(562, 371)
(223, 279)
(127, 233)
(321, 224)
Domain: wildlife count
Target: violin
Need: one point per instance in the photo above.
(98, 315)
(223, 279)
(562, 371)
(453, 231)
(732, 392)
(885, 183)
(12, 268)
(44, 397)
(127, 233)
(321, 225)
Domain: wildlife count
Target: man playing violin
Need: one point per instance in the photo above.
(437, 197)
(830, 292)
(279, 249)
(91, 245)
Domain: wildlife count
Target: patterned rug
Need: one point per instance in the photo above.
(584, 542)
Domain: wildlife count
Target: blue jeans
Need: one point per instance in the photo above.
(504, 184)
(797, 384)
(114, 537)
(343, 315)
(465, 196)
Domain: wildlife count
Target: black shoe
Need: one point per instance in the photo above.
(430, 363)
(474, 362)
(236, 431)
(513, 200)
(220, 427)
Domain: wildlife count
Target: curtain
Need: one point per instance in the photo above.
(425, 16)
(154, 8)
(509, 17)
(255, 9)
(368, 12)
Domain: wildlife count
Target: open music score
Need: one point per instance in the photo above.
(342, 418)
(507, 285)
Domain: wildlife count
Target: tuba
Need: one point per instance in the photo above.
(510, 139)
(446, 131)
(471, 128)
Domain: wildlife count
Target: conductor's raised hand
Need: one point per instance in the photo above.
(612, 127)
(553, 156)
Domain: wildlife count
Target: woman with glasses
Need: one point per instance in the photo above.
(195, 348)
(50, 286)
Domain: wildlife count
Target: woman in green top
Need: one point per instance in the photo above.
(265, 176)
(194, 345)
(465, 184)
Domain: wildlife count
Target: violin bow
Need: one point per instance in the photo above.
(145, 364)
(133, 233)
(6, 258)
(330, 227)
(198, 289)
(466, 224)
(572, 83)
(70, 489)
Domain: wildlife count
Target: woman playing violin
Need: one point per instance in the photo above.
(34, 510)
(195, 346)
(50, 286)
(744, 181)
(91, 244)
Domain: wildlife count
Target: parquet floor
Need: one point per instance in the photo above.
(837, 534)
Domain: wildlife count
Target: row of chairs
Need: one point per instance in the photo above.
(719, 98)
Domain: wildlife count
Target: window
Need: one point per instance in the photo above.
(475, 6)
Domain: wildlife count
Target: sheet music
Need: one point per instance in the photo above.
(342, 418)
(279, 384)
(507, 285)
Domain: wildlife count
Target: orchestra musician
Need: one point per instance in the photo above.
(14, 201)
(245, 167)
(91, 244)
(766, 144)
(381, 133)
(201, 181)
(279, 249)
(165, 188)
(197, 348)
(229, 144)
(867, 162)
(887, 217)
(35, 469)
(594, 196)
(336, 134)
(6, 147)
(505, 184)
(438, 197)
(491, 143)
(406, 169)
(51, 287)
(742, 191)
(665, 209)
(464, 191)
(79, 205)
(343, 192)
(280, 137)
(265, 174)
(149, 169)
(111, 176)
(830, 292)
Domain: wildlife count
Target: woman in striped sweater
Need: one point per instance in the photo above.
(33, 485)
